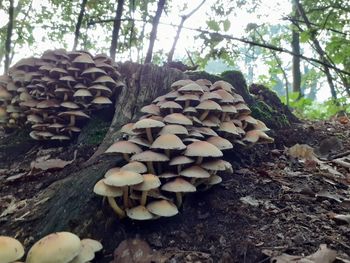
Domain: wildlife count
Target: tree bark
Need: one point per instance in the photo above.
(319, 49)
(296, 59)
(153, 35)
(78, 25)
(8, 38)
(116, 29)
(183, 19)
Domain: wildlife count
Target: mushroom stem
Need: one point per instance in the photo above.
(98, 93)
(115, 207)
(199, 160)
(126, 196)
(204, 115)
(150, 168)
(126, 157)
(149, 135)
(167, 152)
(179, 198)
(65, 97)
(144, 198)
(193, 180)
(72, 120)
(223, 116)
(179, 167)
(187, 103)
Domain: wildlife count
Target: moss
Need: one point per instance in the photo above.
(94, 132)
(265, 113)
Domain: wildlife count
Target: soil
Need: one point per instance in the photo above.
(271, 204)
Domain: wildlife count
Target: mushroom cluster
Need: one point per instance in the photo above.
(57, 92)
(176, 147)
(64, 247)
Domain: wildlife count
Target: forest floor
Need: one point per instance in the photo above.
(271, 205)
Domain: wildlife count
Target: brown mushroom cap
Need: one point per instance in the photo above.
(220, 143)
(217, 165)
(60, 247)
(83, 59)
(147, 123)
(202, 149)
(162, 208)
(101, 188)
(209, 105)
(135, 166)
(203, 82)
(124, 147)
(150, 156)
(10, 249)
(177, 118)
(180, 83)
(171, 105)
(123, 178)
(180, 160)
(192, 88)
(195, 172)
(229, 127)
(150, 181)
(179, 185)
(220, 84)
(151, 109)
(168, 142)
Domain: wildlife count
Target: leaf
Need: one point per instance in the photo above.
(227, 25)
(133, 250)
(213, 25)
(302, 151)
(304, 36)
(51, 164)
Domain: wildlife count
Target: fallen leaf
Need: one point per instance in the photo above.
(133, 250)
(51, 164)
(302, 151)
(342, 218)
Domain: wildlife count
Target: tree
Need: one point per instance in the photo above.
(78, 25)
(8, 37)
(153, 36)
(296, 59)
(116, 28)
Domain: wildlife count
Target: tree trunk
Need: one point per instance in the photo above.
(153, 35)
(296, 59)
(319, 49)
(116, 29)
(8, 37)
(78, 25)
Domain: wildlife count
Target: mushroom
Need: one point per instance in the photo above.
(10, 249)
(101, 188)
(73, 116)
(149, 157)
(150, 181)
(257, 136)
(195, 172)
(151, 109)
(125, 148)
(171, 106)
(202, 149)
(208, 106)
(139, 213)
(148, 125)
(179, 161)
(176, 129)
(60, 247)
(168, 142)
(162, 208)
(177, 118)
(179, 186)
(124, 179)
(135, 166)
(86, 253)
(220, 143)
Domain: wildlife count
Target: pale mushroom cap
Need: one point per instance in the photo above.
(229, 109)
(162, 208)
(94, 244)
(140, 141)
(168, 142)
(191, 88)
(206, 131)
(179, 185)
(101, 100)
(229, 127)
(177, 118)
(150, 156)
(209, 105)
(261, 126)
(60, 247)
(211, 96)
(148, 123)
(111, 171)
(242, 108)
(168, 175)
(173, 129)
(10, 249)
(139, 213)
(220, 143)
(254, 136)
(103, 189)
(150, 181)
(225, 96)
(181, 83)
(102, 88)
(170, 105)
(195, 172)
(135, 166)
(214, 179)
(128, 129)
(70, 105)
(202, 149)
(86, 254)
(217, 165)
(179, 160)
(124, 147)
(249, 119)
(76, 113)
(151, 109)
(123, 178)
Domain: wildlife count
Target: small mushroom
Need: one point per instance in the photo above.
(148, 125)
(168, 142)
(179, 186)
(125, 148)
(139, 213)
(162, 208)
(202, 149)
(149, 157)
(150, 181)
(10, 249)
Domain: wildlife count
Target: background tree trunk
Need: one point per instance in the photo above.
(153, 35)
(296, 59)
(116, 29)
(78, 25)
(8, 38)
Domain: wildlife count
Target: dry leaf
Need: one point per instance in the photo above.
(133, 250)
(51, 164)
(302, 151)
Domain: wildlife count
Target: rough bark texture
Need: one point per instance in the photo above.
(116, 29)
(70, 204)
(8, 37)
(78, 25)
(153, 35)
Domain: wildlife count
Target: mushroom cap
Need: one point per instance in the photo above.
(255, 136)
(225, 96)
(195, 172)
(202, 149)
(211, 96)
(103, 189)
(220, 84)
(135, 166)
(86, 254)
(171, 95)
(206, 131)
(94, 244)
(179, 160)
(214, 179)
(168, 142)
(203, 82)
(238, 98)
(70, 105)
(151, 109)
(111, 171)
(170, 105)
(47, 104)
(150, 156)
(140, 141)
(179, 185)
(93, 70)
(248, 119)
(162, 208)
(173, 129)
(139, 213)
(76, 113)
(229, 109)
(106, 80)
(217, 165)
(168, 175)
(229, 128)
(123, 178)
(191, 110)
(148, 123)
(128, 129)
(191, 88)
(101, 100)
(243, 108)
(220, 143)
(10, 249)
(177, 118)
(60, 247)
(188, 97)
(98, 87)
(180, 83)
(150, 181)
(209, 105)
(83, 59)
(260, 126)
(124, 147)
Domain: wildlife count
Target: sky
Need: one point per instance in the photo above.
(269, 11)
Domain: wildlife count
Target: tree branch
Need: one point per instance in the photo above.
(78, 25)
